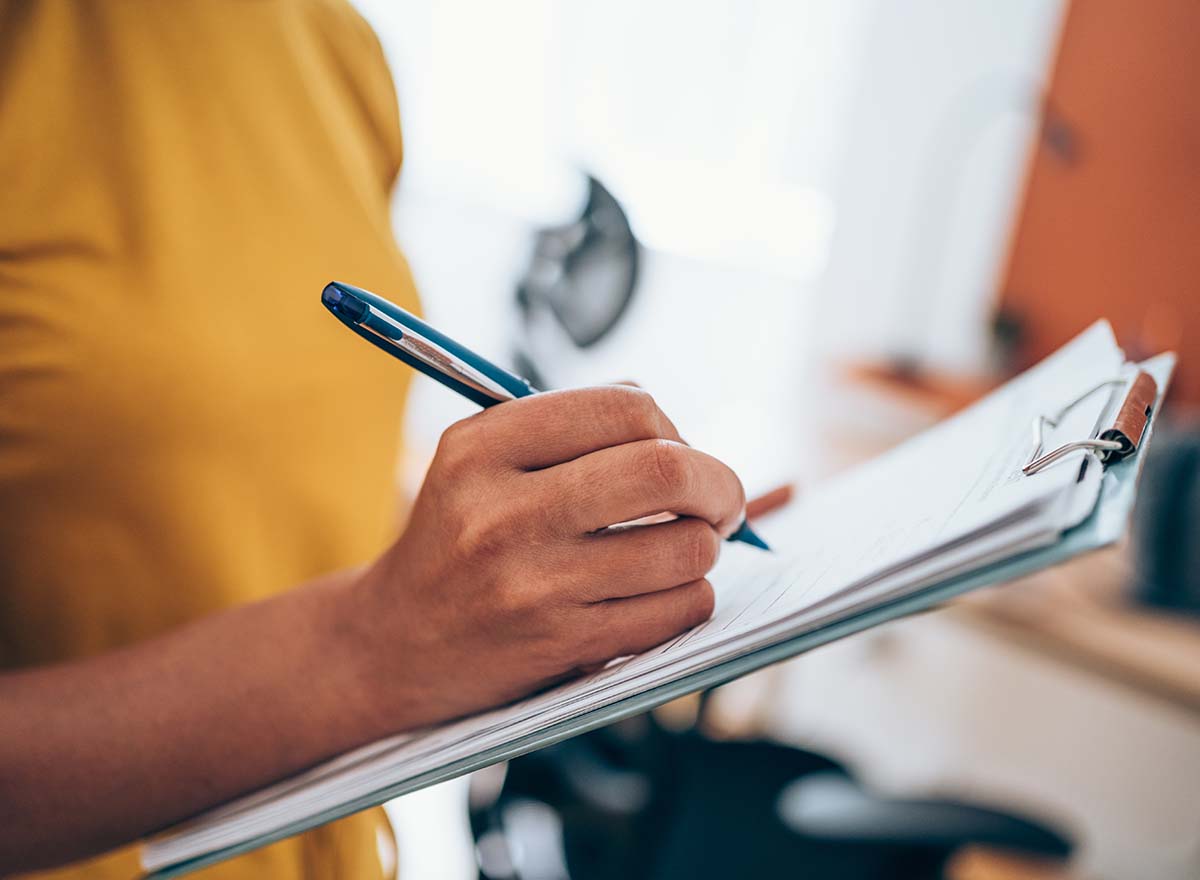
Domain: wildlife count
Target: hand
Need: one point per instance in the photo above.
(507, 579)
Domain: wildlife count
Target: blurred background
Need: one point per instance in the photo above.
(812, 228)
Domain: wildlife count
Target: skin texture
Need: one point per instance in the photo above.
(505, 580)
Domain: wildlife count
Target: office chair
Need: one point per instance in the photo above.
(642, 803)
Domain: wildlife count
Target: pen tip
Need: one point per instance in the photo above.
(746, 535)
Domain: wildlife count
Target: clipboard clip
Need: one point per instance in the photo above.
(1111, 444)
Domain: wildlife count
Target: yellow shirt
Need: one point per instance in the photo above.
(165, 449)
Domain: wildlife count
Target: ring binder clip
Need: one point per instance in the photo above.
(1111, 444)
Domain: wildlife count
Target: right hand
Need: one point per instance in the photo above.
(506, 579)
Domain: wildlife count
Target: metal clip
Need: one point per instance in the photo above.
(1113, 443)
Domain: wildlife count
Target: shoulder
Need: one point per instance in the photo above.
(357, 61)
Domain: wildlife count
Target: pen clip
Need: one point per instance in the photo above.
(416, 346)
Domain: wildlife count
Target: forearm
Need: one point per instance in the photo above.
(99, 752)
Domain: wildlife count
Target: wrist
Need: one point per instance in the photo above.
(354, 652)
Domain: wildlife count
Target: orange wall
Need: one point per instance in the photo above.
(1110, 225)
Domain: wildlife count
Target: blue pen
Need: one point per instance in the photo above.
(407, 337)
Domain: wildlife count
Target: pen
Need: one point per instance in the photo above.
(407, 337)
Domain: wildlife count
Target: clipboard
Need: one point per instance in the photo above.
(1103, 526)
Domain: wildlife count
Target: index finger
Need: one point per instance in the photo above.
(553, 427)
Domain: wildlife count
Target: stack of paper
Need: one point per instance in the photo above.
(949, 502)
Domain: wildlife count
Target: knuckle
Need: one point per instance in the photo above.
(473, 539)
(701, 602)
(455, 521)
(489, 525)
(594, 642)
(511, 600)
(667, 464)
(457, 434)
(634, 408)
(698, 549)
(457, 446)
(477, 535)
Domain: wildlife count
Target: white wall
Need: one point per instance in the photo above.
(941, 120)
(718, 123)
(866, 152)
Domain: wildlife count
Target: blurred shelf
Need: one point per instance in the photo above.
(941, 394)
(1078, 613)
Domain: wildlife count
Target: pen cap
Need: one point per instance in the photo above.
(345, 301)
(347, 307)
